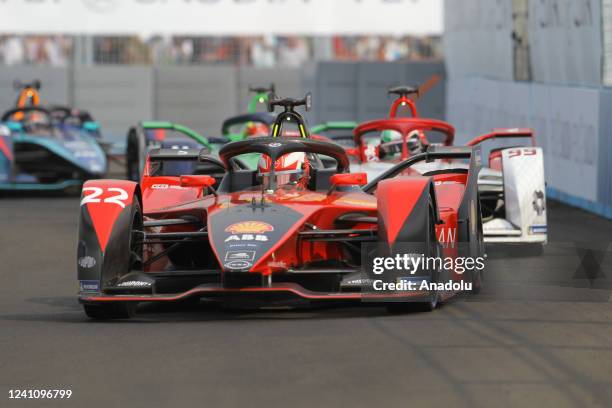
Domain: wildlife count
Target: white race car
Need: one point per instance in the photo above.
(512, 190)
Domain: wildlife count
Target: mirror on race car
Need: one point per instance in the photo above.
(349, 179)
(197, 181)
(352, 151)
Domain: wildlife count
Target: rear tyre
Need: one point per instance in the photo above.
(132, 157)
(476, 282)
(476, 275)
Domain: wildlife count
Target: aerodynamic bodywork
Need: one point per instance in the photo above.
(39, 151)
(512, 189)
(289, 232)
(47, 148)
(149, 135)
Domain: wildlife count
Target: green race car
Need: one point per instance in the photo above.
(149, 135)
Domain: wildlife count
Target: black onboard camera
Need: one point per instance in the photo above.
(271, 89)
(403, 90)
(289, 114)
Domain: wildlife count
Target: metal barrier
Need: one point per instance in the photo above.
(572, 124)
(201, 97)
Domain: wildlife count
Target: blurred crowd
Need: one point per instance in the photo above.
(261, 51)
(37, 50)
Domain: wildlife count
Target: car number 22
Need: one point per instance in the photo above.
(93, 195)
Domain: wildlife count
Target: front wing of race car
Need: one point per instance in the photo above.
(285, 293)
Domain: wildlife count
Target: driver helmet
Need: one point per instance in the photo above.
(289, 169)
(389, 135)
(415, 144)
(33, 119)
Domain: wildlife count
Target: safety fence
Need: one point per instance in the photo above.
(179, 50)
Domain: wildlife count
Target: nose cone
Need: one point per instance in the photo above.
(244, 236)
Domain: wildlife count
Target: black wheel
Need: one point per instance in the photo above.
(132, 157)
(413, 307)
(136, 236)
(123, 310)
(476, 275)
(476, 282)
(109, 311)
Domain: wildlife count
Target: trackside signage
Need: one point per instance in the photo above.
(222, 17)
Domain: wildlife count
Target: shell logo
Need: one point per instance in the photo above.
(249, 227)
(355, 202)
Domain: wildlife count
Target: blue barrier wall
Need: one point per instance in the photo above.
(556, 48)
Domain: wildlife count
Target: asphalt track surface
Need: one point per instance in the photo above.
(538, 335)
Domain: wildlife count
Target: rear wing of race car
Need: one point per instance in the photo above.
(504, 133)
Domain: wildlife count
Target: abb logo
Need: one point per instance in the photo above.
(522, 152)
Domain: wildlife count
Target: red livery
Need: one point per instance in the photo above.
(273, 235)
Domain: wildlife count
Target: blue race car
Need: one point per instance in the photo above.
(48, 149)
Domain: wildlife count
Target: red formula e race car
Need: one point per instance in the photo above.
(382, 143)
(290, 232)
(511, 186)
